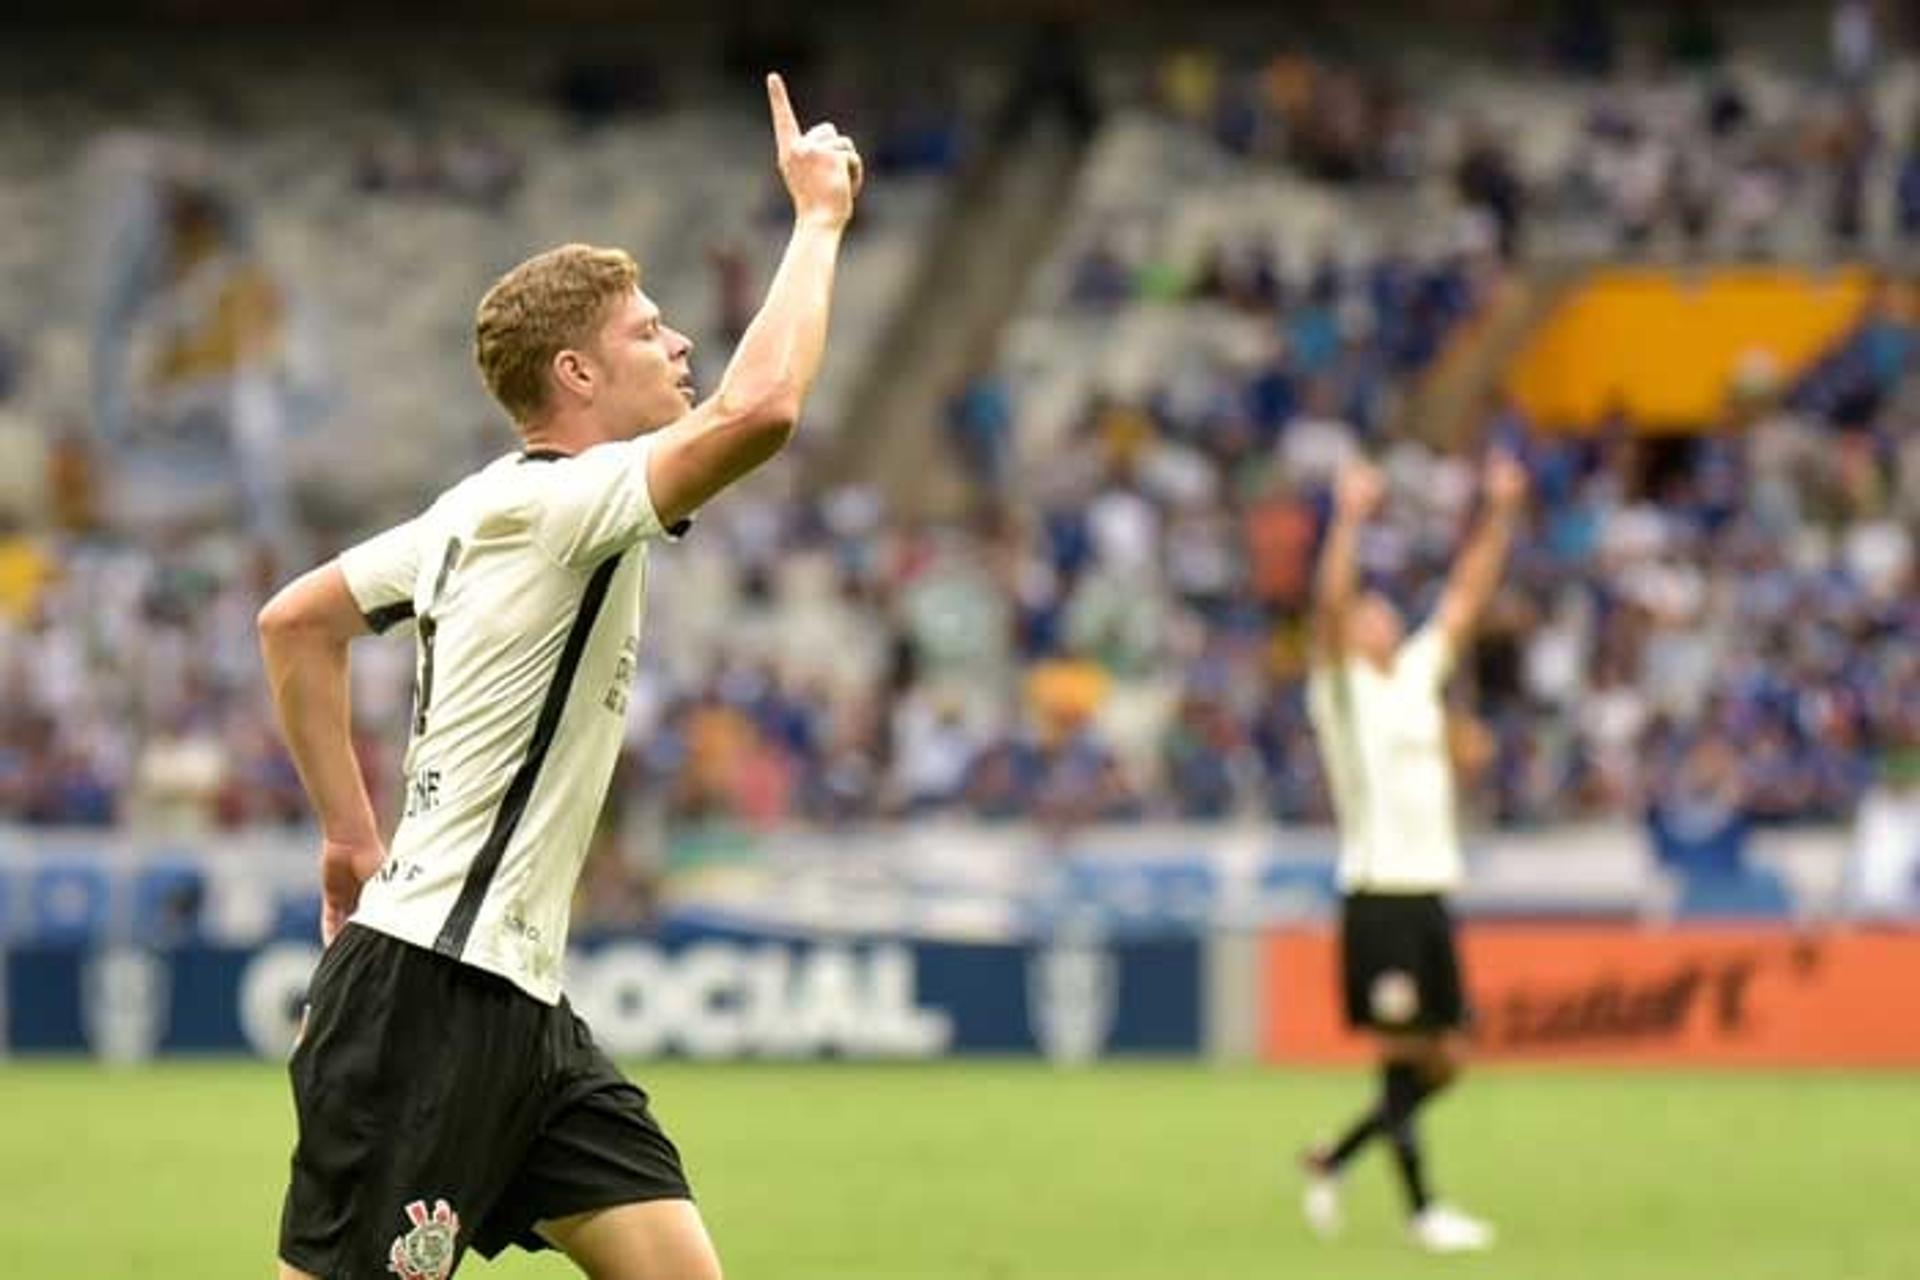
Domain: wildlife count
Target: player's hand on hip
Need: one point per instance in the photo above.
(821, 167)
(344, 867)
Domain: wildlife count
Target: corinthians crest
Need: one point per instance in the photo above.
(427, 1251)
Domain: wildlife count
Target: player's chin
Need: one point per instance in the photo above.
(663, 412)
(670, 404)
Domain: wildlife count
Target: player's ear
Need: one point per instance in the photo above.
(573, 372)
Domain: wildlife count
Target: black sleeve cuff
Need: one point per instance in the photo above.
(388, 616)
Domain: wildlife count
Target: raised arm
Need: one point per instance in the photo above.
(304, 633)
(1356, 496)
(1476, 573)
(753, 413)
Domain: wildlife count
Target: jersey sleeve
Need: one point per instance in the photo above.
(381, 573)
(1427, 657)
(598, 504)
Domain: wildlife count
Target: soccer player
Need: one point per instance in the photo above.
(447, 1096)
(1374, 696)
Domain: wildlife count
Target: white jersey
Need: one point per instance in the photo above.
(1383, 739)
(526, 582)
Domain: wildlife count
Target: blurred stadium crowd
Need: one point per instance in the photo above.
(1268, 253)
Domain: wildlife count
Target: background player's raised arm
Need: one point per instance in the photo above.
(1476, 573)
(1356, 497)
(753, 412)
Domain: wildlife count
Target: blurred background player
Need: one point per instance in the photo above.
(1375, 695)
(448, 1096)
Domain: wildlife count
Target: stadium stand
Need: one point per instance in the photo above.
(1266, 257)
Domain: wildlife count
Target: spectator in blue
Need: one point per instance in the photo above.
(1001, 784)
(980, 423)
(1079, 780)
(1906, 192)
(1698, 818)
(1196, 754)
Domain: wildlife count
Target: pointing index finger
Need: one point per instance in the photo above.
(786, 129)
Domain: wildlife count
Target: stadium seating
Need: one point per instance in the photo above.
(381, 224)
(1233, 304)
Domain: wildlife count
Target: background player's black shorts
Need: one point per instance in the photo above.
(1399, 968)
(441, 1108)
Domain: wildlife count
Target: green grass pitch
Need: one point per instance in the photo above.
(1007, 1171)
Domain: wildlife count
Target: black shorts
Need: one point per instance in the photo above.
(1399, 968)
(441, 1109)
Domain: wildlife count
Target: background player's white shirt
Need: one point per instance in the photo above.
(526, 582)
(1383, 738)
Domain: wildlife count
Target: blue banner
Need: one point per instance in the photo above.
(705, 995)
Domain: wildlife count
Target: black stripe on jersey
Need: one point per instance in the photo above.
(429, 628)
(513, 804)
(388, 616)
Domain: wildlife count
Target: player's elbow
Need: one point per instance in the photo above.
(767, 412)
(755, 434)
(769, 420)
(771, 432)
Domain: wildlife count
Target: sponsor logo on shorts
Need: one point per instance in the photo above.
(427, 1251)
(1395, 997)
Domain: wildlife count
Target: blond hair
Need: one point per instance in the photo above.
(552, 301)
